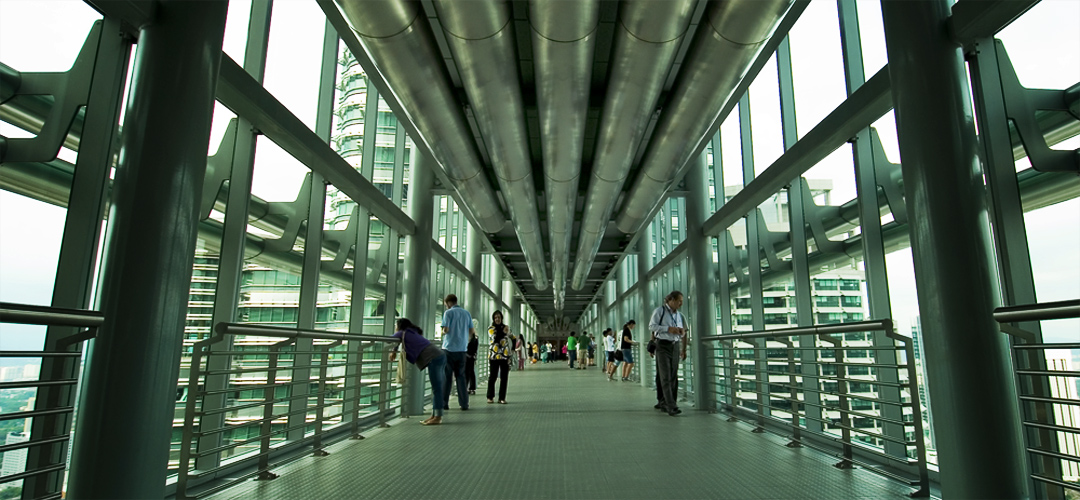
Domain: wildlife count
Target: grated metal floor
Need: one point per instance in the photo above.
(568, 434)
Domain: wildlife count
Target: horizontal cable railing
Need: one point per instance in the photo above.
(813, 393)
(59, 365)
(246, 408)
(1047, 393)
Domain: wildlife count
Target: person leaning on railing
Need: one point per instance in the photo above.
(422, 353)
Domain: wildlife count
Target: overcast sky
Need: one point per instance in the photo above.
(1044, 46)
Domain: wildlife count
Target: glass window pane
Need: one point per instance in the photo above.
(236, 29)
(1053, 237)
(293, 57)
(43, 36)
(1043, 45)
(872, 36)
(817, 66)
(731, 154)
(765, 117)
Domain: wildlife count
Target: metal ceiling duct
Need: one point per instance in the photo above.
(646, 42)
(716, 63)
(398, 38)
(564, 39)
(481, 36)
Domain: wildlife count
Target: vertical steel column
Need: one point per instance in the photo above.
(1010, 235)
(234, 234)
(723, 274)
(417, 277)
(697, 210)
(877, 278)
(496, 286)
(804, 305)
(130, 380)
(473, 254)
(79, 248)
(968, 361)
(299, 380)
(621, 309)
(515, 314)
(312, 263)
(753, 260)
(646, 364)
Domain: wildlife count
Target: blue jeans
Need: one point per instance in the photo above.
(573, 356)
(455, 364)
(437, 375)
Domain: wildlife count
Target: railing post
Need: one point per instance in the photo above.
(269, 395)
(358, 390)
(320, 406)
(384, 381)
(844, 404)
(916, 416)
(793, 371)
(193, 393)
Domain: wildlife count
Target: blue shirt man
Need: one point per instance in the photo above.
(457, 328)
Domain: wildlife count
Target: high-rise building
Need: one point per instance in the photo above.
(1065, 415)
(14, 461)
(919, 347)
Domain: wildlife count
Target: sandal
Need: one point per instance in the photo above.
(432, 421)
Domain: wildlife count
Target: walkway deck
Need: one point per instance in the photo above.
(569, 434)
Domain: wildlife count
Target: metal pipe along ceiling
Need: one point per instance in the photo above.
(717, 61)
(646, 43)
(564, 39)
(481, 35)
(399, 41)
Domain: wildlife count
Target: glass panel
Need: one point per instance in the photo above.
(349, 109)
(278, 176)
(832, 184)
(765, 117)
(336, 270)
(385, 151)
(29, 252)
(1043, 47)
(872, 36)
(379, 262)
(293, 57)
(739, 279)
(905, 312)
(1053, 237)
(49, 44)
(817, 66)
(236, 30)
(731, 154)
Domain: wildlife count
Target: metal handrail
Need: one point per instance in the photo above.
(861, 326)
(300, 333)
(903, 345)
(1065, 309)
(267, 442)
(51, 316)
(1038, 312)
(87, 323)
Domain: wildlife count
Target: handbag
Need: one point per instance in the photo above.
(618, 355)
(651, 346)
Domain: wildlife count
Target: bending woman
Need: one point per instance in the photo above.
(498, 357)
(422, 353)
